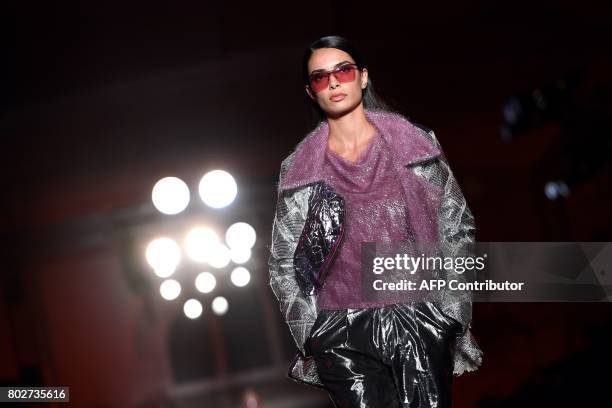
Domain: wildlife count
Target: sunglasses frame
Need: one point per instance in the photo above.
(327, 74)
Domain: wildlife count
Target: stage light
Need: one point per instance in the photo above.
(240, 276)
(218, 188)
(219, 305)
(170, 195)
(192, 308)
(250, 399)
(170, 289)
(163, 255)
(219, 256)
(556, 189)
(200, 242)
(240, 234)
(240, 255)
(512, 110)
(205, 282)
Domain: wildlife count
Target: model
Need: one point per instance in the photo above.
(367, 174)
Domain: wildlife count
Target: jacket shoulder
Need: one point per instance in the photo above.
(422, 127)
(428, 133)
(285, 164)
(288, 160)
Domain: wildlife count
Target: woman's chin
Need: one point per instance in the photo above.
(338, 109)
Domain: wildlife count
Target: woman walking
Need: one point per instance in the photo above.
(367, 174)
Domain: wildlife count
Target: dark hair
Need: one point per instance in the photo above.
(371, 100)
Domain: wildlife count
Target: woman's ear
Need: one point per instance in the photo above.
(309, 92)
(364, 78)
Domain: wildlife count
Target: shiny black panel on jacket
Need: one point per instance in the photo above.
(321, 236)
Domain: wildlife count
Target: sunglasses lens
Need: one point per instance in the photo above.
(346, 73)
(319, 82)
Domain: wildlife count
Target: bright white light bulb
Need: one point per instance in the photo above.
(170, 195)
(170, 289)
(219, 305)
(205, 282)
(163, 255)
(218, 188)
(240, 234)
(192, 308)
(240, 276)
(200, 242)
(219, 256)
(240, 255)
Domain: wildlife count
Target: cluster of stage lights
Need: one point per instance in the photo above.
(201, 244)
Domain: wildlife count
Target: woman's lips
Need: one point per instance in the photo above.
(337, 98)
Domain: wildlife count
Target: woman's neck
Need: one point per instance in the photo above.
(349, 132)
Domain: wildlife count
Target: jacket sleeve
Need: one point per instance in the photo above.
(457, 229)
(297, 308)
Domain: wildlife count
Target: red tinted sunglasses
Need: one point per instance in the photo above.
(344, 73)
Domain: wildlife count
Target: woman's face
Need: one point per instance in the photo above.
(330, 97)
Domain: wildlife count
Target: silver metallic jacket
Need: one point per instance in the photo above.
(308, 223)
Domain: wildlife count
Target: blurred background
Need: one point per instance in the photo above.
(101, 100)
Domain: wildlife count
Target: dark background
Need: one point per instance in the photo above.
(101, 99)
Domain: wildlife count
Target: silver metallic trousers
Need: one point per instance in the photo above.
(394, 356)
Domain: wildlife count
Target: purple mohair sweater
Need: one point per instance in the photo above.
(375, 211)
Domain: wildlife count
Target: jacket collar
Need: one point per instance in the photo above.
(409, 144)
